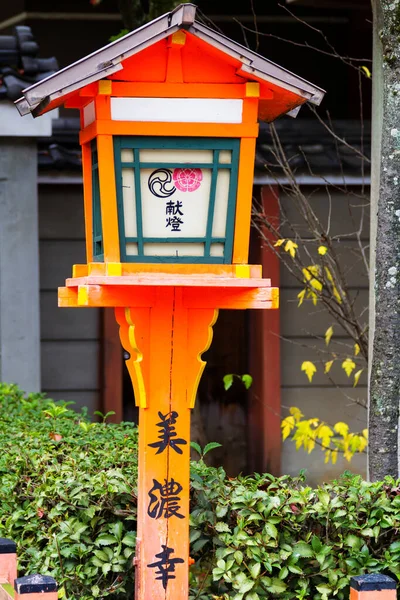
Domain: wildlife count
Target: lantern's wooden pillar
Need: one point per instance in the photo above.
(165, 343)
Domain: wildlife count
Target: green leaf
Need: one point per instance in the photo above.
(221, 564)
(247, 380)
(222, 527)
(238, 556)
(101, 555)
(323, 497)
(194, 535)
(196, 447)
(218, 573)
(324, 589)
(303, 549)
(97, 562)
(129, 540)
(277, 586)
(255, 570)
(341, 512)
(353, 541)
(271, 530)
(197, 546)
(246, 586)
(106, 539)
(116, 529)
(221, 511)
(395, 547)
(283, 573)
(367, 532)
(210, 446)
(296, 570)
(316, 544)
(228, 381)
(351, 562)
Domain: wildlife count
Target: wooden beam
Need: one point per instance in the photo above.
(264, 359)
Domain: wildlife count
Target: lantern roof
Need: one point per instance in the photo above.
(55, 89)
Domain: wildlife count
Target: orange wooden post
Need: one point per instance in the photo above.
(373, 586)
(165, 343)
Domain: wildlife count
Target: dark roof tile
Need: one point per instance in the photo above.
(20, 66)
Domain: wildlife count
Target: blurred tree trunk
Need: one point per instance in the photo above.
(384, 387)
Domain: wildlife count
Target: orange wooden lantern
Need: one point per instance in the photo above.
(169, 120)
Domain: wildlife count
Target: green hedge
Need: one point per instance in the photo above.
(262, 537)
(68, 498)
(67, 494)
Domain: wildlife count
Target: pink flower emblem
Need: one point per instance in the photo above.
(187, 180)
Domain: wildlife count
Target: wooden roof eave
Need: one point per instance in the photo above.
(254, 65)
(49, 92)
(103, 62)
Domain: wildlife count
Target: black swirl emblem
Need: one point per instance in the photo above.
(159, 183)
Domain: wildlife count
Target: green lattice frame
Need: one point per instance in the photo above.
(98, 249)
(216, 145)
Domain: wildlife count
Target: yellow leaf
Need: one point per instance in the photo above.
(285, 433)
(291, 248)
(314, 298)
(296, 412)
(309, 369)
(288, 421)
(316, 284)
(299, 443)
(362, 444)
(366, 71)
(310, 445)
(341, 428)
(328, 365)
(337, 295)
(287, 426)
(348, 366)
(348, 455)
(334, 457)
(365, 433)
(279, 242)
(334, 289)
(310, 272)
(328, 335)
(300, 296)
(356, 349)
(327, 456)
(325, 434)
(357, 377)
(322, 250)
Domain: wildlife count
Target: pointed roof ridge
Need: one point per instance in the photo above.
(108, 60)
